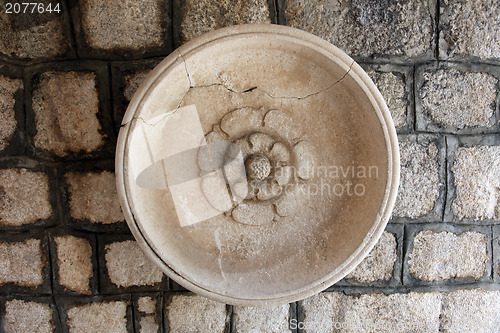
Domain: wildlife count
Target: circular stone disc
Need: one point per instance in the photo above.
(277, 92)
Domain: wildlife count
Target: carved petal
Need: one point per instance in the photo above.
(241, 121)
(205, 155)
(268, 190)
(279, 153)
(282, 123)
(253, 213)
(304, 154)
(244, 146)
(283, 175)
(261, 142)
(215, 190)
(291, 200)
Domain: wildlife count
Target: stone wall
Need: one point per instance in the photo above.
(67, 259)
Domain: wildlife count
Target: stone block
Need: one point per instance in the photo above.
(473, 182)
(444, 255)
(74, 263)
(457, 98)
(471, 311)
(379, 264)
(24, 266)
(99, 316)
(28, 316)
(395, 86)
(35, 36)
(368, 29)
(421, 189)
(147, 313)
(124, 29)
(187, 313)
(93, 197)
(200, 16)
(263, 319)
(333, 311)
(469, 29)
(127, 266)
(58, 131)
(24, 197)
(10, 91)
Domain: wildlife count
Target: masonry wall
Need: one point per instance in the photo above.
(67, 259)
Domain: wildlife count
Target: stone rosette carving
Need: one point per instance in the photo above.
(279, 162)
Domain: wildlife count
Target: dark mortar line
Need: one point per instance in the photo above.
(492, 240)
(437, 20)
(445, 190)
(277, 10)
(72, 30)
(170, 29)
(230, 325)
(111, 99)
(414, 97)
(403, 255)
(98, 265)
(132, 304)
(299, 315)
(51, 277)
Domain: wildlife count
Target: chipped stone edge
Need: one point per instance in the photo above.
(412, 230)
(452, 144)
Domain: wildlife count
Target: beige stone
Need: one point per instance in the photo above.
(74, 263)
(439, 256)
(128, 266)
(199, 16)
(60, 131)
(476, 171)
(148, 324)
(471, 311)
(266, 319)
(420, 184)
(8, 123)
(98, 317)
(24, 197)
(93, 197)
(413, 312)
(147, 305)
(191, 313)
(123, 25)
(294, 143)
(456, 100)
(379, 264)
(22, 316)
(22, 263)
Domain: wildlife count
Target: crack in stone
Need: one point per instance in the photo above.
(247, 90)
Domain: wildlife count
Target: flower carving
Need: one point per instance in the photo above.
(278, 162)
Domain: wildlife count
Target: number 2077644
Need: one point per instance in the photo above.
(31, 8)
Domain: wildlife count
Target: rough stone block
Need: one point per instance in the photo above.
(438, 256)
(471, 311)
(61, 132)
(34, 36)
(8, 121)
(475, 170)
(368, 29)
(268, 319)
(25, 316)
(74, 262)
(93, 197)
(128, 266)
(107, 316)
(455, 99)
(469, 29)
(394, 89)
(422, 178)
(193, 313)
(24, 197)
(147, 315)
(413, 312)
(198, 17)
(124, 25)
(379, 264)
(22, 263)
